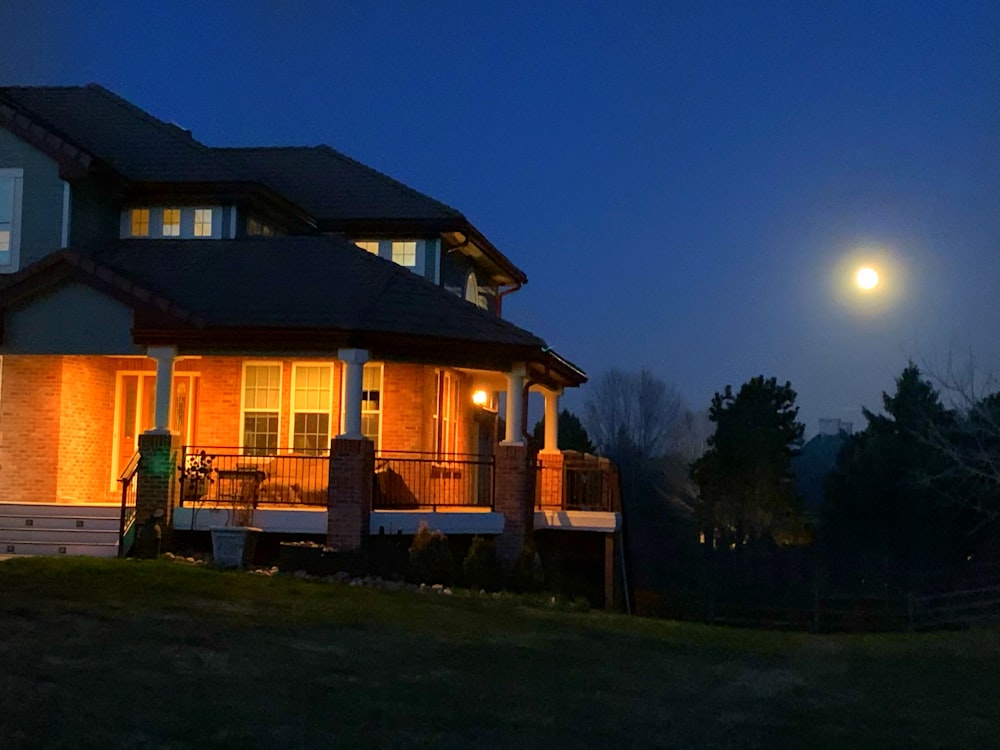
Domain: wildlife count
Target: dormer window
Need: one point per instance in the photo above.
(405, 253)
(203, 222)
(171, 222)
(155, 222)
(257, 228)
(370, 246)
(139, 222)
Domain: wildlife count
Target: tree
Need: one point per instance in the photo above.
(884, 519)
(632, 415)
(744, 478)
(572, 434)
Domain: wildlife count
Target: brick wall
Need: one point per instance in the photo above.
(407, 407)
(514, 498)
(86, 430)
(29, 419)
(352, 463)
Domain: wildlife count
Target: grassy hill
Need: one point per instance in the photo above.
(153, 654)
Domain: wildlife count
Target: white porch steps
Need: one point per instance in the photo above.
(59, 529)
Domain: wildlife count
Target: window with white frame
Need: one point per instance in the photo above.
(404, 253)
(171, 222)
(11, 182)
(311, 402)
(261, 408)
(371, 401)
(446, 415)
(203, 222)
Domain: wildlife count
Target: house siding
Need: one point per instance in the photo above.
(94, 216)
(41, 198)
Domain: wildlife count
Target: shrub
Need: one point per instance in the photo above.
(481, 568)
(430, 557)
(527, 574)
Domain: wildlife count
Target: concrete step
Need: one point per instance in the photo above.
(60, 510)
(60, 536)
(91, 523)
(57, 548)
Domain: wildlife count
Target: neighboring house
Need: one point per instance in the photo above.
(320, 329)
(816, 459)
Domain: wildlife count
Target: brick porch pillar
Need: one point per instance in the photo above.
(550, 478)
(349, 502)
(156, 481)
(515, 498)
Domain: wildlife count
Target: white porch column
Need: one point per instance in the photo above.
(164, 356)
(515, 405)
(354, 362)
(551, 421)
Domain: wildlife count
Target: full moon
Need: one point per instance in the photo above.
(866, 278)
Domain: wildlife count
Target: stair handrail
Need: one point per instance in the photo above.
(128, 481)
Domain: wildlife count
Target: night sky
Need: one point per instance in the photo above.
(685, 184)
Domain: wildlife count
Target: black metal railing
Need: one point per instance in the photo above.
(245, 477)
(582, 482)
(126, 527)
(410, 480)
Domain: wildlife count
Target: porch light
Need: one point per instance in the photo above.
(480, 398)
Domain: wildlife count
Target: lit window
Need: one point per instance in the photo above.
(370, 245)
(405, 253)
(171, 222)
(10, 216)
(203, 222)
(311, 408)
(445, 428)
(139, 222)
(261, 404)
(371, 401)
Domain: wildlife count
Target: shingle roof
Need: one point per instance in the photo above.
(332, 186)
(325, 282)
(136, 144)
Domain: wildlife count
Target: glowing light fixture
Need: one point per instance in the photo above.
(480, 398)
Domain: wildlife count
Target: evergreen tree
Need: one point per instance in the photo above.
(744, 477)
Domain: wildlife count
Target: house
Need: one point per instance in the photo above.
(331, 339)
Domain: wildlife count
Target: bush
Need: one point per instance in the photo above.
(430, 557)
(481, 568)
(527, 574)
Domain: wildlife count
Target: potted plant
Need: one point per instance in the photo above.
(196, 476)
(233, 544)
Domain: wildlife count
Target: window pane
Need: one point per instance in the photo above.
(203, 222)
(404, 253)
(311, 433)
(171, 222)
(370, 245)
(6, 201)
(260, 433)
(140, 222)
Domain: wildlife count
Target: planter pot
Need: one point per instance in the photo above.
(233, 546)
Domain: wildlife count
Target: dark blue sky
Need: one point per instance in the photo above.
(682, 182)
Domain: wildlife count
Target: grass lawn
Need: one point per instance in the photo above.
(152, 654)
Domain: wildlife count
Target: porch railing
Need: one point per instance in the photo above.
(578, 482)
(410, 480)
(242, 476)
(126, 525)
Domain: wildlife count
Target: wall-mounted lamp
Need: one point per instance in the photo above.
(480, 398)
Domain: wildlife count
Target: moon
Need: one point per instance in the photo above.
(866, 278)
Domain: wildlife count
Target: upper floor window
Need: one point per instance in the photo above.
(405, 253)
(203, 222)
(171, 222)
(370, 246)
(139, 222)
(157, 222)
(10, 218)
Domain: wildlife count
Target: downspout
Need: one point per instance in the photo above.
(503, 293)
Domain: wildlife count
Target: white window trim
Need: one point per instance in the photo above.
(14, 254)
(243, 397)
(292, 411)
(442, 431)
(381, 398)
